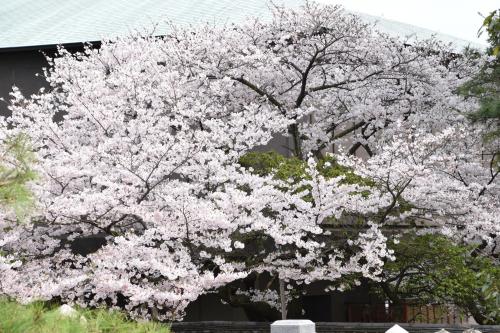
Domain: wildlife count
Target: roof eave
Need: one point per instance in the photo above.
(47, 46)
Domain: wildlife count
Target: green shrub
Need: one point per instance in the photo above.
(432, 268)
(16, 160)
(43, 318)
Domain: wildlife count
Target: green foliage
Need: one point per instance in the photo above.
(486, 85)
(15, 172)
(491, 24)
(266, 163)
(432, 268)
(286, 168)
(42, 318)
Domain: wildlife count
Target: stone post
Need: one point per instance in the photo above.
(293, 326)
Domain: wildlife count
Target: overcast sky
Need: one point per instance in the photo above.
(458, 18)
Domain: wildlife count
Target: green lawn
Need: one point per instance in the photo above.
(42, 318)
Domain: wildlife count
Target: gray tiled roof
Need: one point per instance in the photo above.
(47, 22)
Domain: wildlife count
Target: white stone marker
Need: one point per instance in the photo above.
(442, 331)
(67, 311)
(396, 329)
(293, 326)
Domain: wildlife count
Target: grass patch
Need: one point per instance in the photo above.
(39, 317)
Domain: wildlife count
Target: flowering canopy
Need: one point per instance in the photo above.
(138, 143)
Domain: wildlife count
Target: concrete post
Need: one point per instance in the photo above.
(293, 326)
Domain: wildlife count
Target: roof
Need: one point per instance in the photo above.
(36, 23)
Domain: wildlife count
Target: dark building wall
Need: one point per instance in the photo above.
(318, 306)
(210, 307)
(19, 68)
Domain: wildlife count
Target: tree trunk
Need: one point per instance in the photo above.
(283, 299)
(297, 145)
(477, 314)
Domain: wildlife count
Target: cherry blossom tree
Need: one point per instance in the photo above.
(345, 83)
(138, 145)
(447, 181)
(141, 151)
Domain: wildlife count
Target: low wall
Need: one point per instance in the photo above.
(258, 327)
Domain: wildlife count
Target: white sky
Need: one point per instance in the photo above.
(457, 18)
